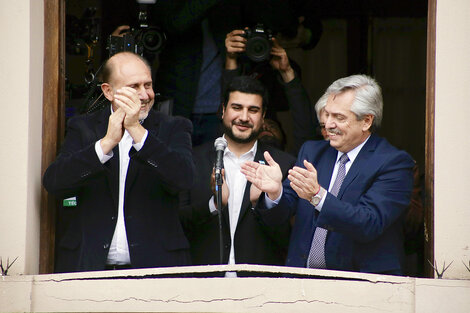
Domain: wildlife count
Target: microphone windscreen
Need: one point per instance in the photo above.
(220, 144)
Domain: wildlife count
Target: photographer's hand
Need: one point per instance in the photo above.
(121, 30)
(280, 62)
(235, 43)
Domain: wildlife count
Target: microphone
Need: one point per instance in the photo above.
(220, 144)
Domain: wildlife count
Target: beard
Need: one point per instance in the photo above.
(252, 137)
(143, 114)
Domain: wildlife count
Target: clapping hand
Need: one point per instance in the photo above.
(265, 177)
(304, 180)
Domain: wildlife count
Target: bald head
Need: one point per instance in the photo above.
(113, 64)
(128, 70)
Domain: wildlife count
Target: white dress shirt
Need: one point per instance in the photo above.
(236, 183)
(119, 250)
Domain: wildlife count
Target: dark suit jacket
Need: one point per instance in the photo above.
(365, 220)
(255, 243)
(161, 169)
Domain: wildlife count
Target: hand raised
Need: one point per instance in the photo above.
(254, 194)
(266, 177)
(128, 100)
(280, 62)
(115, 131)
(235, 42)
(225, 190)
(304, 180)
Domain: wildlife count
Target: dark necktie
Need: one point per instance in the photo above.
(316, 256)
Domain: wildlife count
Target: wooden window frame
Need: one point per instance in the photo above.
(54, 120)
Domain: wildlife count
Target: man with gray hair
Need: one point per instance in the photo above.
(349, 194)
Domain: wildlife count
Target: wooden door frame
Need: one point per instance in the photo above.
(53, 125)
(53, 120)
(429, 138)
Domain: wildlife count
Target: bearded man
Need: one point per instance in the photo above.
(246, 240)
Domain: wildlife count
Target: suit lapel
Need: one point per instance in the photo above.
(151, 124)
(359, 164)
(246, 203)
(112, 165)
(326, 166)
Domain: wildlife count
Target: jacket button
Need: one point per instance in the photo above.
(113, 218)
(106, 246)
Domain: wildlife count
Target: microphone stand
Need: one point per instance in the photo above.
(218, 191)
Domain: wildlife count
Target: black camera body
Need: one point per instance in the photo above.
(258, 43)
(146, 40)
(149, 40)
(125, 42)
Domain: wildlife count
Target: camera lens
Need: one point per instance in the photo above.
(153, 40)
(258, 49)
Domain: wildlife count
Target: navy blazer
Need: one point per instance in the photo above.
(364, 221)
(156, 174)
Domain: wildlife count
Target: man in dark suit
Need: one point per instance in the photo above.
(349, 194)
(246, 239)
(125, 164)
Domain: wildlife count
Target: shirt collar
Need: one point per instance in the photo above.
(250, 153)
(353, 153)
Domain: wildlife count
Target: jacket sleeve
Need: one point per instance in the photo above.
(194, 203)
(170, 155)
(281, 213)
(383, 198)
(77, 162)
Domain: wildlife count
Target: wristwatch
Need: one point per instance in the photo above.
(317, 197)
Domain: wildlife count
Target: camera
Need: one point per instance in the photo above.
(145, 40)
(258, 44)
(149, 40)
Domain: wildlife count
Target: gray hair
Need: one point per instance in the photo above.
(321, 103)
(367, 100)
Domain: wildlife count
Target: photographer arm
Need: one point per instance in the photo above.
(235, 43)
(303, 117)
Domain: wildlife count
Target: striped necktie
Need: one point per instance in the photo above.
(316, 256)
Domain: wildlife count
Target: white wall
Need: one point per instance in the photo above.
(316, 291)
(452, 143)
(21, 67)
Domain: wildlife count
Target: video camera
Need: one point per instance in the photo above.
(258, 44)
(145, 40)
